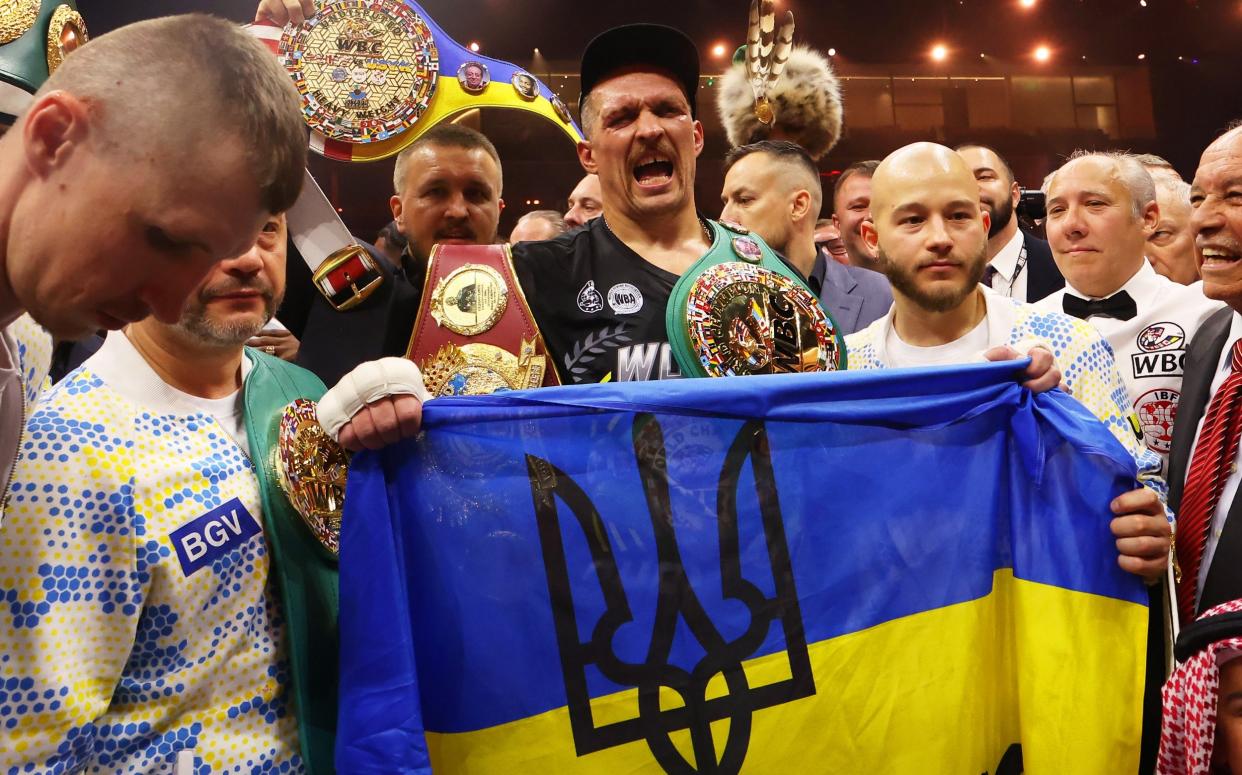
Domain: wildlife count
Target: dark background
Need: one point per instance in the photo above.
(1189, 47)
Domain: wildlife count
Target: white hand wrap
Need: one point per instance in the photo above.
(367, 384)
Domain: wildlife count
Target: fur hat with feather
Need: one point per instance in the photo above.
(805, 100)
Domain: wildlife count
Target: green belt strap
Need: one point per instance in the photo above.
(722, 250)
(306, 571)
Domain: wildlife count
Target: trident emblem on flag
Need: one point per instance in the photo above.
(679, 609)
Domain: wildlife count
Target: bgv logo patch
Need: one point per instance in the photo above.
(213, 535)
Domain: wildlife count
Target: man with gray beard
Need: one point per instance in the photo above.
(191, 569)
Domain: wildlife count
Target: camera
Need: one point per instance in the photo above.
(1032, 206)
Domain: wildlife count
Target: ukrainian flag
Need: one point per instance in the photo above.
(879, 572)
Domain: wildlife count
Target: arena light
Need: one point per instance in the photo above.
(832, 52)
(1042, 53)
(474, 46)
(719, 50)
(939, 52)
(1027, 3)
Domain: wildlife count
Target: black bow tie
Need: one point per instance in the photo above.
(1119, 305)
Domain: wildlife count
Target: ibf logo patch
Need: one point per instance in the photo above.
(213, 535)
(1161, 351)
(1157, 409)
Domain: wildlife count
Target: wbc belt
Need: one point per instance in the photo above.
(475, 334)
(740, 310)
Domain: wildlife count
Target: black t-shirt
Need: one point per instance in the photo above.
(599, 305)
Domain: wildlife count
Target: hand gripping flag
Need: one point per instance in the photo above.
(907, 571)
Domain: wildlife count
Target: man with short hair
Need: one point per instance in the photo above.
(173, 604)
(599, 295)
(1101, 212)
(447, 186)
(1204, 472)
(585, 202)
(474, 76)
(1020, 266)
(538, 225)
(1171, 246)
(772, 188)
(851, 205)
(1156, 165)
(1204, 454)
(930, 232)
(115, 203)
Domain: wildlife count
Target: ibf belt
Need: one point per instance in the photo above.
(740, 310)
(475, 333)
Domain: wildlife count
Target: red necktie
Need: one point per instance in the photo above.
(1209, 468)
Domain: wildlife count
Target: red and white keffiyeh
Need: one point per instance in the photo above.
(1188, 730)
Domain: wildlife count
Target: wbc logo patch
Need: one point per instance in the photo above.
(213, 535)
(1161, 351)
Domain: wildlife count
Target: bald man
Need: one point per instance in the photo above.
(930, 235)
(1210, 571)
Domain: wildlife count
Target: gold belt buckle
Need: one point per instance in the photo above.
(347, 277)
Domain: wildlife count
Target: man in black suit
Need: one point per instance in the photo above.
(1019, 266)
(1204, 474)
(447, 185)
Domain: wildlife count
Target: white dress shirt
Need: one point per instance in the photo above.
(1006, 264)
(1223, 367)
(1150, 347)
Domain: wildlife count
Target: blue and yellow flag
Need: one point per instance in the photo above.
(882, 572)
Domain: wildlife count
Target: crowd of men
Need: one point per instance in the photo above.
(163, 607)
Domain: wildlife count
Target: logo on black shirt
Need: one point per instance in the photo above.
(589, 300)
(625, 299)
(649, 360)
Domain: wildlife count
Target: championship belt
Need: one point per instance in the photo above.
(741, 310)
(369, 73)
(35, 37)
(475, 333)
(311, 470)
(374, 75)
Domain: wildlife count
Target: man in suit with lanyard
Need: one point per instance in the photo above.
(1019, 266)
(1203, 461)
(772, 188)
